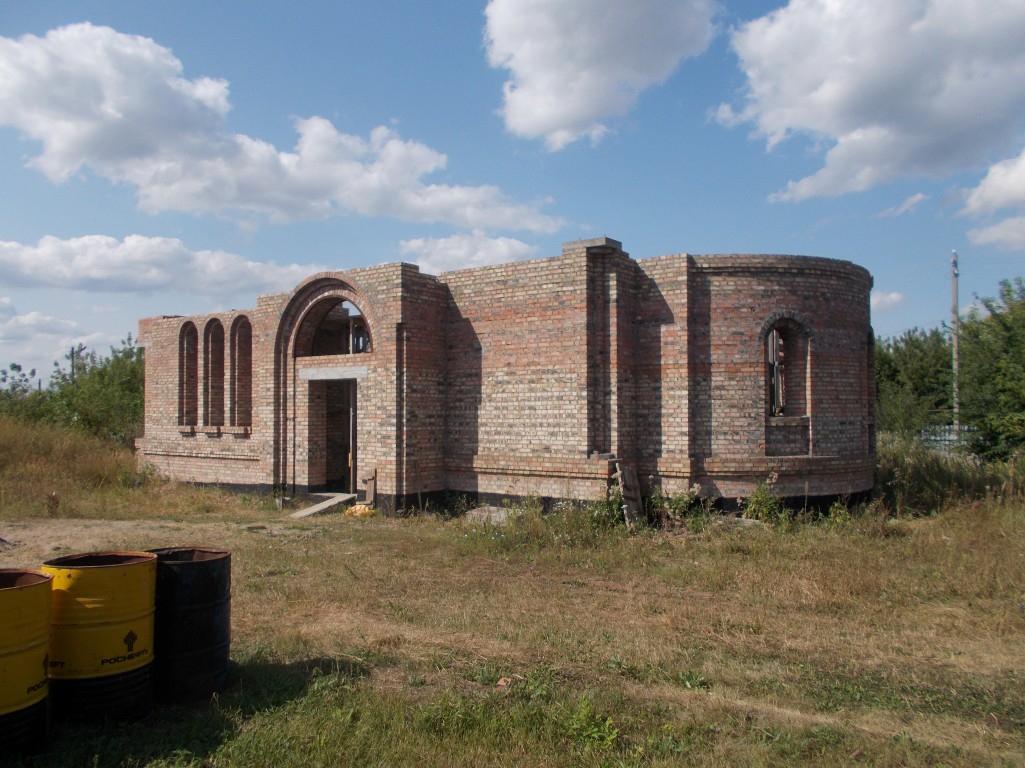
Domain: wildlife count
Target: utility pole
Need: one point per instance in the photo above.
(954, 339)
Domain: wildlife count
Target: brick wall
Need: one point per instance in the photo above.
(199, 448)
(516, 378)
(738, 299)
(526, 378)
(669, 379)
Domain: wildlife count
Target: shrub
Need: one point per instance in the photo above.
(838, 516)
(100, 395)
(683, 509)
(764, 505)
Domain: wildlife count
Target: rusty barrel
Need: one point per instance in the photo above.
(101, 638)
(193, 622)
(24, 641)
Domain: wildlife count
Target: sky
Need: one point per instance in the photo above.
(183, 158)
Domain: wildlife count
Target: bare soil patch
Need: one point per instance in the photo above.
(27, 543)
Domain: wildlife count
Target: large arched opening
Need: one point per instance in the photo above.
(324, 350)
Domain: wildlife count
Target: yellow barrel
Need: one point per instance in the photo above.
(101, 639)
(24, 637)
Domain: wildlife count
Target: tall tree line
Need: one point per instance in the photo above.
(914, 380)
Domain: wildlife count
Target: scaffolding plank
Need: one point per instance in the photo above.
(336, 499)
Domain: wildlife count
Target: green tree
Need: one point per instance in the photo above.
(913, 381)
(993, 372)
(20, 398)
(15, 383)
(102, 395)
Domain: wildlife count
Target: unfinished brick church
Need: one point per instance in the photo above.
(530, 378)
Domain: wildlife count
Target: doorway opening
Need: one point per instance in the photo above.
(333, 435)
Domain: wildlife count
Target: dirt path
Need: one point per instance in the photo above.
(27, 543)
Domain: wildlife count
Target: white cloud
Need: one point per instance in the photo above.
(1003, 187)
(137, 263)
(1008, 234)
(117, 104)
(575, 63)
(437, 255)
(32, 325)
(25, 336)
(36, 340)
(884, 302)
(907, 206)
(15, 326)
(894, 89)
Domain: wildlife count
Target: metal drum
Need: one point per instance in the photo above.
(101, 640)
(24, 640)
(193, 622)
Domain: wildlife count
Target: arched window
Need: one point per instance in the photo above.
(786, 356)
(213, 374)
(241, 373)
(333, 327)
(188, 379)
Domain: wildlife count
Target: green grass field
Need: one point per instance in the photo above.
(870, 639)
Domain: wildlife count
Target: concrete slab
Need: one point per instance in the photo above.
(498, 516)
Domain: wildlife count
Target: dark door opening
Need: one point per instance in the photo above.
(340, 435)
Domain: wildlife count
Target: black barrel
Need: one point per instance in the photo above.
(192, 633)
(123, 697)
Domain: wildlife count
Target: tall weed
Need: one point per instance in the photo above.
(48, 470)
(764, 505)
(912, 478)
(528, 530)
(42, 464)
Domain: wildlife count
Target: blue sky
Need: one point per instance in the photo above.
(182, 158)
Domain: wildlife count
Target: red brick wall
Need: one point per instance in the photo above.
(664, 368)
(201, 453)
(421, 390)
(377, 293)
(524, 378)
(738, 298)
(516, 377)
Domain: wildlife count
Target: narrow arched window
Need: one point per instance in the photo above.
(786, 357)
(241, 373)
(777, 373)
(213, 374)
(188, 379)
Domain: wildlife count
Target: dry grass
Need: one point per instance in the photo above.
(421, 641)
(37, 461)
(55, 472)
